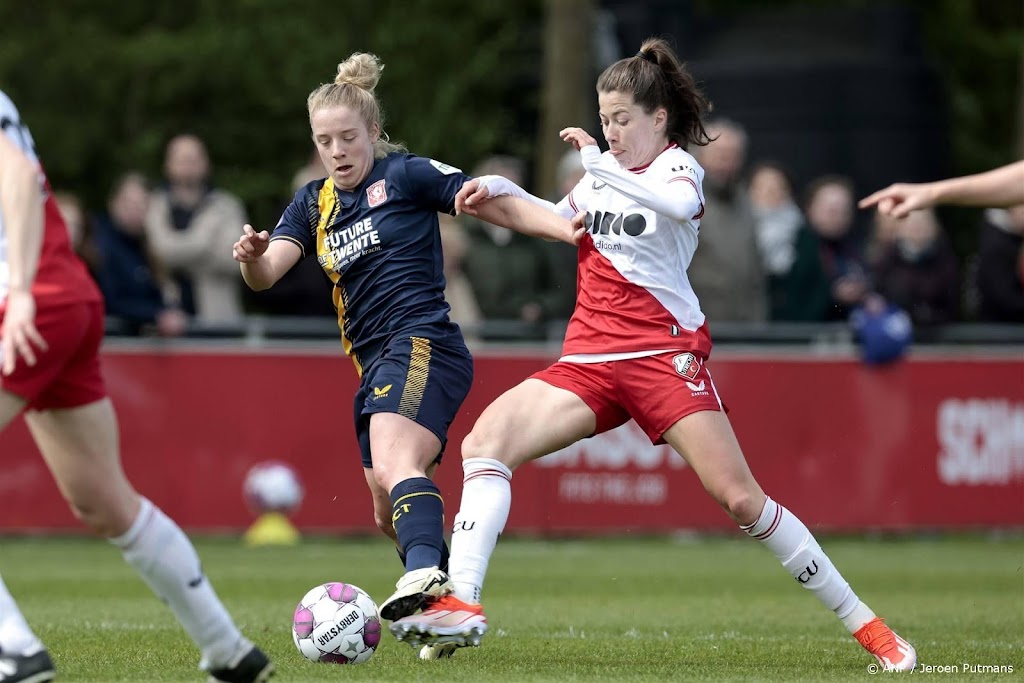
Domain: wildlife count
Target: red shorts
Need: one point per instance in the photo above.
(67, 374)
(656, 391)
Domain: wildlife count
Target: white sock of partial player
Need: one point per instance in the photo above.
(486, 499)
(15, 635)
(167, 561)
(790, 541)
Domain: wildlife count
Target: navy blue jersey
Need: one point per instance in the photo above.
(381, 247)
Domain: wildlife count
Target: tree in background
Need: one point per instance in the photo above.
(107, 83)
(568, 83)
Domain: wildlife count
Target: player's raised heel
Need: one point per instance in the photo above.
(445, 621)
(414, 590)
(892, 652)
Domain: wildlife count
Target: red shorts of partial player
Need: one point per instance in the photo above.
(67, 374)
(656, 391)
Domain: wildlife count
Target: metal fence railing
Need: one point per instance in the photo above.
(256, 328)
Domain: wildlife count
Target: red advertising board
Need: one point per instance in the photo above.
(933, 442)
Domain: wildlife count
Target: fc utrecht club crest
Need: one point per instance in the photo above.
(377, 193)
(687, 365)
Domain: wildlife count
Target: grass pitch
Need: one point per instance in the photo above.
(597, 610)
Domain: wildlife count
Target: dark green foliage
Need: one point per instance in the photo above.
(103, 84)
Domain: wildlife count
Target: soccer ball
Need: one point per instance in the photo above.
(272, 487)
(336, 623)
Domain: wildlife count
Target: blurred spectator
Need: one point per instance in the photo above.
(919, 271)
(191, 227)
(777, 219)
(458, 292)
(131, 279)
(726, 271)
(313, 170)
(303, 290)
(507, 269)
(560, 258)
(999, 273)
(828, 277)
(884, 229)
(569, 173)
(80, 230)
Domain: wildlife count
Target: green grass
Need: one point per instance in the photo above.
(602, 610)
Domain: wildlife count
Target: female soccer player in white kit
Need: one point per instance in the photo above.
(636, 348)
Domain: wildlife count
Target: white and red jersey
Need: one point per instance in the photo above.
(633, 297)
(61, 277)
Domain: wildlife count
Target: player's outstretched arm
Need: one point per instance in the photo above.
(526, 217)
(21, 204)
(481, 189)
(263, 262)
(1000, 187)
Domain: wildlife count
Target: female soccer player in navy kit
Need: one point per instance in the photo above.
(636, 348)
(51, 328)
(372, 225)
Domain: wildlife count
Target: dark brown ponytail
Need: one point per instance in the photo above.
(655, 77)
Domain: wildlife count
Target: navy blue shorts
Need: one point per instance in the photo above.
(418, 378)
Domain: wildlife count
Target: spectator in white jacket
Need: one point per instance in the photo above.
(191, 227)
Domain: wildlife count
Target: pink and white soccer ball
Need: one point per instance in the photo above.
(336, 623)
(272, 486)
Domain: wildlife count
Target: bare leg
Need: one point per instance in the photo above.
(707, 442)
(81, 447)
(506, 435)
(10, 407)
(403, 451)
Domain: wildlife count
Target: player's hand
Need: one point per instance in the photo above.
(19, 334)
(469, 196)
(577, 137)
(579, 227)
(251, 245)
(899, 199)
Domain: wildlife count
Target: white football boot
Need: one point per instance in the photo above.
(414, 590)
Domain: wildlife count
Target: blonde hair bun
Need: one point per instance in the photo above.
(361, 70)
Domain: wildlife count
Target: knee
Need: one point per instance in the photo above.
(479, 444)
(109, 513)
(741, 502)
(386, 475)
(98, 518)
(472, 446)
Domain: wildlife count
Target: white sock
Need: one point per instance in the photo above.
(15, 635)
(167, 561)
(486, 499)
(791, 542)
